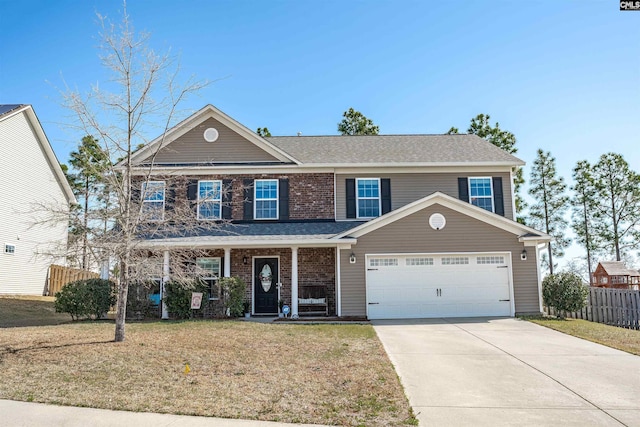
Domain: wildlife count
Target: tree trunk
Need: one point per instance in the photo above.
(550, 258)
(123, 291)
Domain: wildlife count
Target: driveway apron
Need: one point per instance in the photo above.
(505, 372)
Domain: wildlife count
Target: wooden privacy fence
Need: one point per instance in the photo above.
(616, 307)
(60, 276)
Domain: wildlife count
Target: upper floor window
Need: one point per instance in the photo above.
(153, 200)
(368, 197)
(208, 269)
(209, 199)
(9, 249)
(480, 193)
(266, 199)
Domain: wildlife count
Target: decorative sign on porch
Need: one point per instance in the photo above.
(196, 300)
(266, 277)
(286, 310)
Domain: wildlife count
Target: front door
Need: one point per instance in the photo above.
(265, 290)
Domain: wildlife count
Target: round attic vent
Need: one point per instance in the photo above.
(437, 221)
(210, 135)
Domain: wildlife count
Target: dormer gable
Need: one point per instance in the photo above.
(210, 137)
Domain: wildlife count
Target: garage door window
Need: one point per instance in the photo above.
(490, 260)
(383, 262)
(419, 261)
(455, 260)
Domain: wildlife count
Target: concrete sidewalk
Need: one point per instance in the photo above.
(505, 372)
(18, 414)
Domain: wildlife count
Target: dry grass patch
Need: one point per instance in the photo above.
(29, 311)
(326, 374)
(612, 336)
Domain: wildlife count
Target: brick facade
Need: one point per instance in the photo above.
(316, 266)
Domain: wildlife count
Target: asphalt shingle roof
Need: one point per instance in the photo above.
(380, 149)
(263, 231)
(5, 108)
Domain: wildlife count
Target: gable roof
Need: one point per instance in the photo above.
(618, 268)
(443, 150)
(209, 111)
(524, 233)
(10, 110)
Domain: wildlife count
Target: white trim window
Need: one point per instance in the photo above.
(265, 199)
(210, 199)
(152, 196)
(208, 270)
(9, 249)
(368, 200)
(481, 193)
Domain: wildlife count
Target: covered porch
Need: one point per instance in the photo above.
(301, 271)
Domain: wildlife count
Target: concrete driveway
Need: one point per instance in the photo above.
(506, 372)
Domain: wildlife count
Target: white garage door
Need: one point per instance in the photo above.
(448, 285)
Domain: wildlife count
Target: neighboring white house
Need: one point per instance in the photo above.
(30, 175)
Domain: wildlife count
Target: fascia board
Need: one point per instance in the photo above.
(306, 243)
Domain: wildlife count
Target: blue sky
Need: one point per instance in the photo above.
(563, 76)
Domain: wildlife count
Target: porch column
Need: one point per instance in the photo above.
(104, 269)
(165, 279)
(227, 262)
(294, 282)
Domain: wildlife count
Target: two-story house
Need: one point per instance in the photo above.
(615, 274)
(34, 192)
(385, 226)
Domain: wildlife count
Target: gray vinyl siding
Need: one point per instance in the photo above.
(409, 187)
(27, 180)
(413, 234)
(229, 147)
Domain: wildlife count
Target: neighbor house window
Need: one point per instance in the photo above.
(153, 200)
(368, 197)
(266, 199)
(209, 199)
(480, 193)
(208, 270)
(9, 249)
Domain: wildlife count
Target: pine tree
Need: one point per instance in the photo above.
(547, 213)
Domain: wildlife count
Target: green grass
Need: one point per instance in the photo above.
(612, 336)
(29, 311)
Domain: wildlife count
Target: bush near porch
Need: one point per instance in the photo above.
(324, 374)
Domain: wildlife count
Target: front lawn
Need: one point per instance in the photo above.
(612, 336)
(325, 374)
(29, 311)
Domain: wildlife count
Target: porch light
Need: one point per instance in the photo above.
(245, 260)
(352, 258)
(523, 255)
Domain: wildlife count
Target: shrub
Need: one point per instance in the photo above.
(178, 297)
(86, 298)
(564, 292)
(232, 291)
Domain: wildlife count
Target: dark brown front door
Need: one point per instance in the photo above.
(265, 278)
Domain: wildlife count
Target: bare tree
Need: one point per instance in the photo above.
(142, 96)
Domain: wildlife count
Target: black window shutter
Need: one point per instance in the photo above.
(136, 190)
(192, 189)
(283, 196)
(498, 199)
(385, 192)
(248, 199)
(192, 194)
(170, 199)
(463, 189)
(227, 195)
(351, 197)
